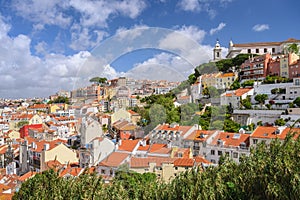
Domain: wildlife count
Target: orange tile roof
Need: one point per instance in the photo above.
(27, 176)
(53, 164)
(40, 144)
(199, 135)
(200, 159)
(181, 152)
(136, 162)
(239, 92)
(144, 148)
(167, 127)
(114, 159)
(156, 147)
(231, 139)
(132, 112)
(269, 132)
(253, 44)
(128, 145)
(184, 162)
(163, 150)
(73, 171)
(6, 196)
(227, 75)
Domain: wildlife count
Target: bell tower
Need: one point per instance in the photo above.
(217, 51)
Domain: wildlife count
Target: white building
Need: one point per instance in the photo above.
(259, 47)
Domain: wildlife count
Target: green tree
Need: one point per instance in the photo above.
(210, 91)
(248, 83)
(261, 98)
(297, 101)
(235, 85)
(22, 123)
(280, 122)
(293, 48)
(246, 103)
(98, 80)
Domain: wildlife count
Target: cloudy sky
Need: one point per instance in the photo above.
(50, 45)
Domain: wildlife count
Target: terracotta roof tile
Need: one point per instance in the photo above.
(184, 162)
(270, 132)
(27, 176)
(200, 135)
(128, 145)
(231, 139)
(144, 162)
(115, 159)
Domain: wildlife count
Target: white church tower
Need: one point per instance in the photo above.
(217, 51)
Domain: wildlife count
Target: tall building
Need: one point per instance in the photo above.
(217, 51)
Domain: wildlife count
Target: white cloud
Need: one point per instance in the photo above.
(170, 67)
(82, 17)
(190, 5)
(25, 75)
(83, 38)
(208, 6)
(43, 12)
(260, 27)
(217, 29)
(186, 46)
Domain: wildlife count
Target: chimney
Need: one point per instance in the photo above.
(46, 147)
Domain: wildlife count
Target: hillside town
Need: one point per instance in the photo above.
(101, 127)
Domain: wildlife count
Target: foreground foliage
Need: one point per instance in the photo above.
(271, 172)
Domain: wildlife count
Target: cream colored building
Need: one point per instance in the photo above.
(60, 153)
(36, 119)
(165, 168)
(121, 114)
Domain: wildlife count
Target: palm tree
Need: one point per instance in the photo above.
(293, 48)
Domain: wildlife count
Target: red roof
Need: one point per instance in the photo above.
(273, 132)
(239, 92)
(27, 176)
(128, 145)
(115, 159)
(231, 139)
(200, 135)
(184, 162)
(144, 162)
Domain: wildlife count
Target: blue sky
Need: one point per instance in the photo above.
(48, 45)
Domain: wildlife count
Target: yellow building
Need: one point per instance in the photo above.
(165, 168)
(56, 107)
(219, 80)
(121, 114)
(36, 119)
(60, 153)
(13, 134)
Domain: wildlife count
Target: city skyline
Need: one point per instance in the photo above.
(46, 44)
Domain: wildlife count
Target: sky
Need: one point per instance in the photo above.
(53, 45)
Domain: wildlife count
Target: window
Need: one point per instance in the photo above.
(254, 141)
(235, 155)
(176, 168)
(265, 50)
(219, 153)
(212, 152)
(249, 50)
(227, 153)
(273, 50)
(257, 50)
(102, 171)
(218, 54)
